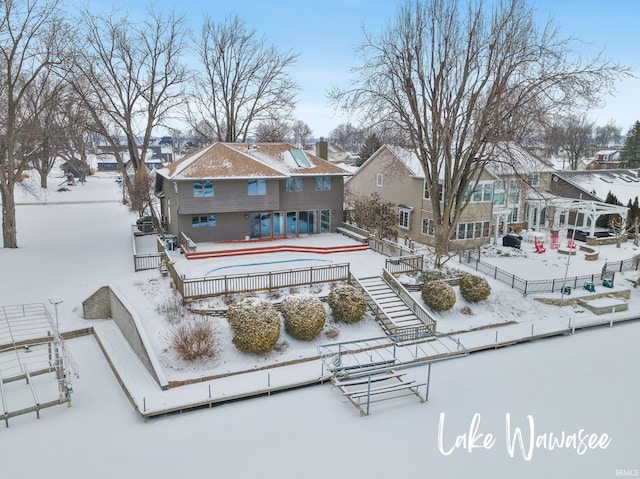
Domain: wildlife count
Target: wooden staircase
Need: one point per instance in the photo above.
(393, 314)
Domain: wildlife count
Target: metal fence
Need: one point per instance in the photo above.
(623, 265)
(525, 286)
(195, 288)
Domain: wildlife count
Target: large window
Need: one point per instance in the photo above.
(202, 188)
(479, 229)
(440, 192)
(323, 183)
(481, 194)
(403, 218)
(294, 184)
(257, 187)
(498, 193)
(201, 221)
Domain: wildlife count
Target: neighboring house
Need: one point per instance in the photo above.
(74, 166)
(397, 176)
(107, 162)
(608, 159)
(234, 191)
(522, 192)
(596, 184)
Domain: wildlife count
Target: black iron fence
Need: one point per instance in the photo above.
(526, 286)
(623, 265)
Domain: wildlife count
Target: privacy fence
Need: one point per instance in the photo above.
(525, 286)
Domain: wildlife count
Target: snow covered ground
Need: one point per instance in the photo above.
(72, 243)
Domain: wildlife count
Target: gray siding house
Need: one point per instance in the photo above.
(235, 191)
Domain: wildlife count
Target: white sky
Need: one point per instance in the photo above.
(325, 33)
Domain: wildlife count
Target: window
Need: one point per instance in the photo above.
(471, 230)
(403, 221)
(514, 215)
(323, 183)
(427, 227)
(294, 184)
(379, 179)
(257, 187)
(202, 188)
(498, 193)
(201, 221)
(481, 193)
(440, 192)
(533, 179)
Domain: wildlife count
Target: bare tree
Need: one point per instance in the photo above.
(301, 131)
(463, 79)
(574, 134)
(348, 137)
(607, 136)
(272, 131)
(130, 76)
(47, 126)
(30, 32)
(245, 81)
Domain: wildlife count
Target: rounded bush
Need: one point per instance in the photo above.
(255, 325)
(438, 295)
(474, 288)
(304, 316)
(347, 303)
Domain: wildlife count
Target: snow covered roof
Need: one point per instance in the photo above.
(243, 160)
(509, 159)
(625, 184)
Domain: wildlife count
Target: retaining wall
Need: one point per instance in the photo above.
(106, 303)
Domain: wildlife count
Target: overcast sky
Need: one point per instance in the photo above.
(325, 33)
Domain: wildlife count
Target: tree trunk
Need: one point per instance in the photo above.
(43, 180)
(9, 232)
(442, 235)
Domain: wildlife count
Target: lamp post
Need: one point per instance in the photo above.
(56, 302)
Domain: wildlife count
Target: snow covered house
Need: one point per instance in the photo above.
(397, 176)
(595, 185)
(234, 191)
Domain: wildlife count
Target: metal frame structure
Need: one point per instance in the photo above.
(368, 370)
(35, 366)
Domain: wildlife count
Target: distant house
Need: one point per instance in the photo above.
(608, 159)
(233, 191)
(107, 162)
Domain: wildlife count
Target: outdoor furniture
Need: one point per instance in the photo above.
(607, 282)
(589, 286)
(566, 289)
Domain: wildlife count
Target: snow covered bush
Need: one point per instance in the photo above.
(304, 316)
(347, 303)
(193, 340)
(474, 288)
(255, 324)
(438, 295)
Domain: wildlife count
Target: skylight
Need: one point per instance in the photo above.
(301, 159)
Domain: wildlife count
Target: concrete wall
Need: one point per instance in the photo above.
(106, 303)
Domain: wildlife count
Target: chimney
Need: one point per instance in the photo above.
(322, 149)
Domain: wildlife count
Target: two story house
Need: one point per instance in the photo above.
(233, 191)
(397, 176)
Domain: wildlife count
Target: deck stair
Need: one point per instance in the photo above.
(395, 310)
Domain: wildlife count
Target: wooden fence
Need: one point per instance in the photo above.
(195, 288)
(389, 248)
(146, 260)
(404, 264)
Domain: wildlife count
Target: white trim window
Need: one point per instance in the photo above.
(379, 180)
(427, 196)
(404, 218)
